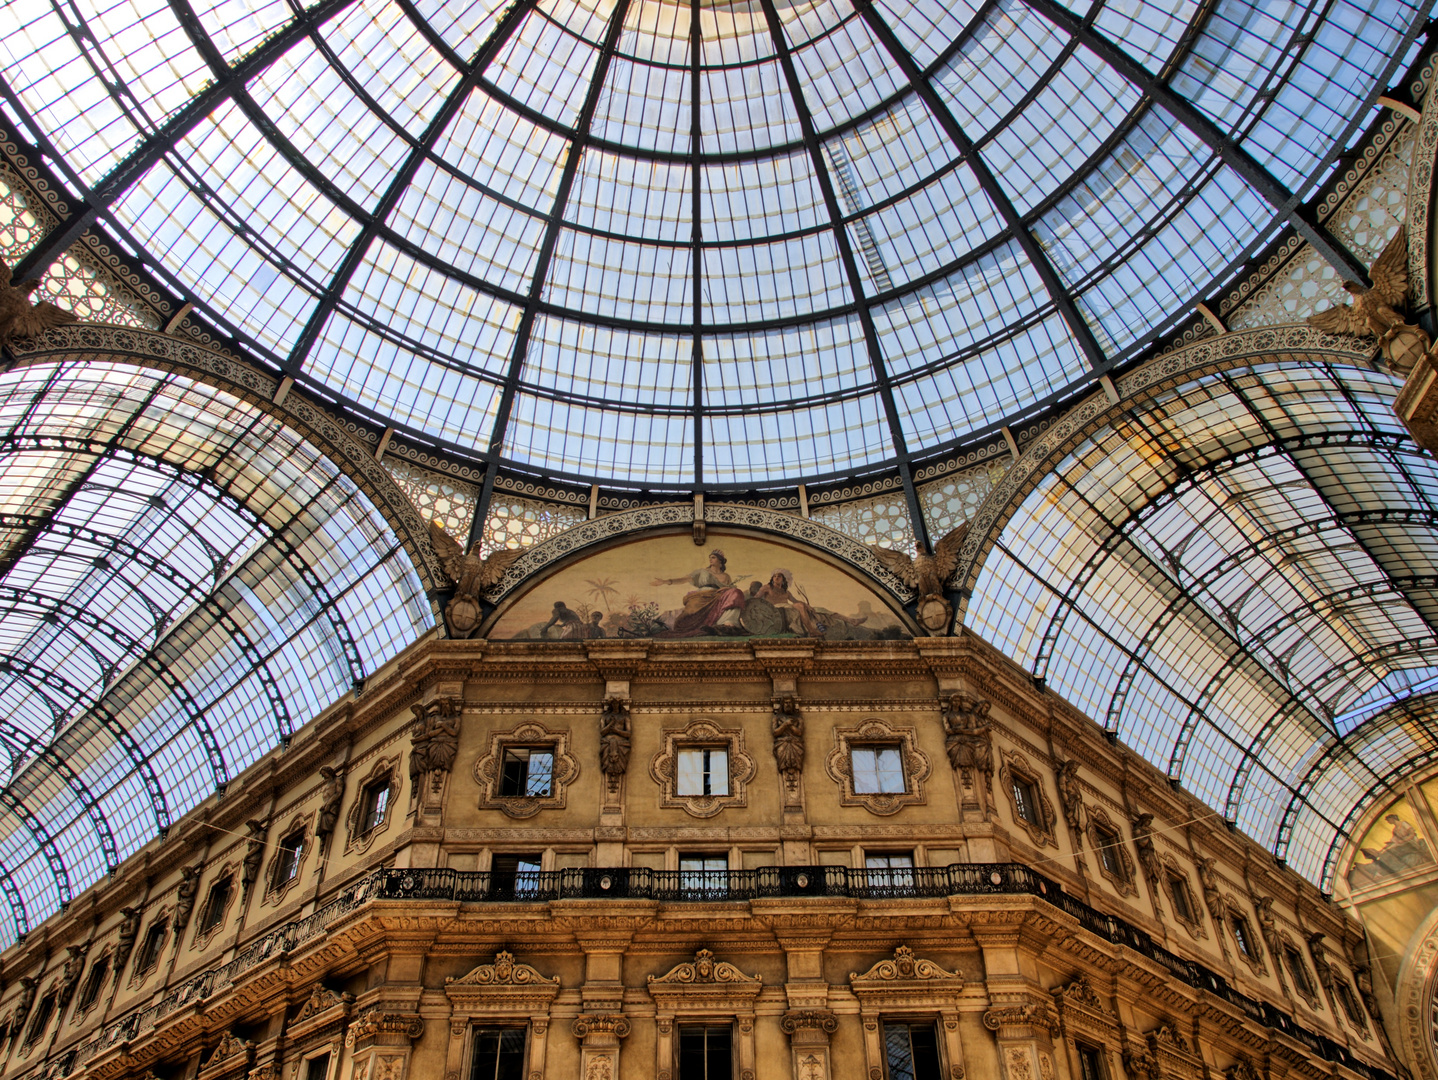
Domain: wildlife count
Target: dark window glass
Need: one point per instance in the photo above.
(215, 904)
(514, 875)
(1240, 935)
(1178, 891)
(41, 1020)
(287, 863)
(375, 803)
(527, 773)
(1090, 1063)
(878, 770)
(705, 1053)
(498, 1054)
(891, 868)
(1297, 969)
(95, 983)
(1107, 841)
(1026, 801)
(150, 950)
(702, 772)
(317, 1068)
(709, 873)
(1349, 1002)
(911, 1052)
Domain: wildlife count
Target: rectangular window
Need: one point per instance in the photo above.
(1090, 1062)
(890, 868)
(705, 1053)
(703, 772)
(498, 1054)
(1349, 1001)
(1240, 935)
(95, 983)
(911, 1052)
(318, 1068)
(1297, 969)
(1026, 802)
(528, 773)
(515, 875)
(1178, 892)
(878, 770)
(41, 1020)
(287, 862)
(215, 905)
(1107, 841)
(150, 950)
(709, 873)
(375, 803)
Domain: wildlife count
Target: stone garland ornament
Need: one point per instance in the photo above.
(471, 574)
(927, 574)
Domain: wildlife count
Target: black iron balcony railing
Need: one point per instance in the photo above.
(691, 886)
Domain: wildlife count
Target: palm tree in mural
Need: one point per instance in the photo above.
(601, 589)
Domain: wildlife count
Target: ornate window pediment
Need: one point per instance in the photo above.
(1182, 901)
(699, 735)
(504, 992)
(704, 990)
(1110, 851)
(531, 735)
(874, 737)
(1084, 1014)
(1173, 1052)
(909, 987)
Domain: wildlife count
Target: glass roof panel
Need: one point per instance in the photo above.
(756, 369)
(846, 435)
(656, 32)
(391, 60)
(235, 27)
(554, 88)
(607, 364)
(926, 27)
(631, 197)
(142, 44)
(778, 280)
(464, 25)
(1150, 32)
(1007, 56)
(754, 199)
(646, 107)
(551, 434)
(734, 32)
(846, 72)
(614, 279)
(506, 154)
(744, 109)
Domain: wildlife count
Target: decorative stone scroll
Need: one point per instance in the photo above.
(909, 985)
(381, 1043)
(599, 1035)
(809, 1031)
(704, 989)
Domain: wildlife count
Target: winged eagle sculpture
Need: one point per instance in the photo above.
(927, 574)
(19, 318)
(471, 575)
(1376, 312)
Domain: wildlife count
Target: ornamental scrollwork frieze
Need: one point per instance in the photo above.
(905, 966)
(504, 971)
(601, 1023)
(813, 1019)
(374, 1025)
(1025, 1014)
(703, 969)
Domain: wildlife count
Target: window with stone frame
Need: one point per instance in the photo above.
(217, 902)
(1031, 808)
(94, 983)
(704, 1052)
(528, 769)
(1243, 936)
(911, 1051)
(515, 876)
(703, 769)
(1111, 853)
(703, 872)
(1298, 972)
(497, 1053)
(878, 766)
(1181, 897)
(1349, 1001)
(151, 946)
(889, 869)
(39, 1021)
(291, 851)
(317, 1067)
(373, 809)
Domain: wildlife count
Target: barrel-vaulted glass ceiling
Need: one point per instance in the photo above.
(697, 243)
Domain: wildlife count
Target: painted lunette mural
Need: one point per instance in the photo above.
(1392, 846)
(733, 586)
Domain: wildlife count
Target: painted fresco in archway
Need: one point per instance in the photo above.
(733, 586)
(1393, 846)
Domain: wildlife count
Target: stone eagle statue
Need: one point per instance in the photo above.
(1375, 312)
(471, 575)
(19, 318)
(927, 574)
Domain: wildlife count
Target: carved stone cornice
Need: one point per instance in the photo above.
(816, 1019)
(600, 1023)
(391, 1029)
(1018, 1021)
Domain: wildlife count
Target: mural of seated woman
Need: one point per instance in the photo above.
(715, 604)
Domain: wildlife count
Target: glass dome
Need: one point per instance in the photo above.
(710, 243)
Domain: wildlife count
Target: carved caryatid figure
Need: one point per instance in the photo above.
(927, 574)
(966, 735)
(1148, 856)
(185, 896)
(332, 794)
(435, 742)
(129, 931)
(70, 974)
(1375, 312)
(1071, 795)
(1208, 877)
(19, 318)
(788, 728)
(1268, 928)
(1321, 967)
(471, 575)
(28, 988)
(615, 737)
(254, 854)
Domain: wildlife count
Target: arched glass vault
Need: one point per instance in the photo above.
(183, 581)
(1238, 576)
